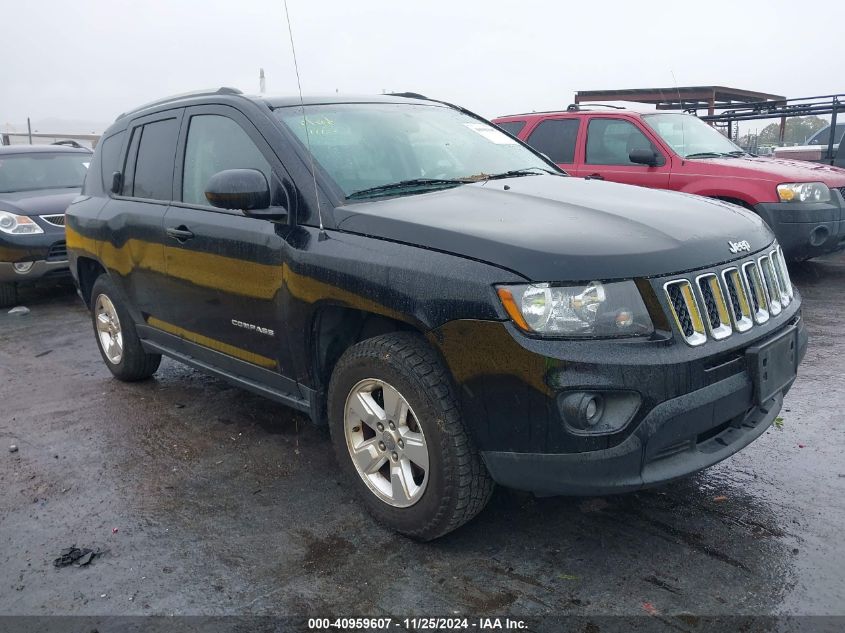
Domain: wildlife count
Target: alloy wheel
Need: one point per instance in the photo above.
(108, 329)
(386, 442)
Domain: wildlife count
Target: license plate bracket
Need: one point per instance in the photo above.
(773, 364)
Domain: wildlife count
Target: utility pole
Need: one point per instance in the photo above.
(261, 84)
(29, 130)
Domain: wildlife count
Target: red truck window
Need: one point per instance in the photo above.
(556, 139)
(512, 127)
(610, 141)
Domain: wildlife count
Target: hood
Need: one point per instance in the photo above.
(554, 228)
(40, 202)
(777, 170)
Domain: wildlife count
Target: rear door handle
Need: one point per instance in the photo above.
(181, 233)
(594, 177)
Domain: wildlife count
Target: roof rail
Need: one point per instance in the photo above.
(223, 90)
(573, 107)
(69, 143)
(577, 107)
(408, 95)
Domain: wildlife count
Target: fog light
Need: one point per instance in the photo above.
(583, 410)
(592, 409)
(23, 267)
(597, 413)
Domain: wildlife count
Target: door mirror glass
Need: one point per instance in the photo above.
(644, 156)
(238, 189)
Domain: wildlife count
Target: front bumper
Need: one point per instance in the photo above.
(805, 229)
(47, 253)
(676, 438)
(696, 405)
(40, 269)
(679, 437)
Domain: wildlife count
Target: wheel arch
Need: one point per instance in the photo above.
(87, 271)
(335, 328)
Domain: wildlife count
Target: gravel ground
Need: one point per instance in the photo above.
(209, 500)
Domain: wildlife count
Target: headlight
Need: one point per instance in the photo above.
(804, 192)
(18, 224)
(597, 310)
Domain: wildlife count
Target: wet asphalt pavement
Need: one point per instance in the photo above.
(210, 500)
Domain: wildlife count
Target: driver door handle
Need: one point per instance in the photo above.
(594, 177)
(181, 233)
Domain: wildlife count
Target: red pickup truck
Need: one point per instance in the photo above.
(802, 202)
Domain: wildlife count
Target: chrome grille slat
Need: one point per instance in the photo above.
(783, 295)
(742, 315)
(771, 284)
(754, 283)
(685, 309)
(715, 304)
(783, 273)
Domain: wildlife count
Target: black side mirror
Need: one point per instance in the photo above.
(116, 182)
(239, 189)
(645, 156)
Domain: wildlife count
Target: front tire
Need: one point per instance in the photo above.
(399, 437)
(8, 295)
(116, 337)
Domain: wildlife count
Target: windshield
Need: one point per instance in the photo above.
(822, 137)
(689, 136)
(29, 172)
(363, 146)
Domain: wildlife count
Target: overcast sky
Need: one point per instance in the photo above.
(89, 60)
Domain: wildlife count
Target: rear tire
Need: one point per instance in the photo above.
(391, 403)
(8, 295)
(117, 339)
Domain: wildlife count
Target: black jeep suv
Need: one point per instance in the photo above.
(37, 183)
(454, 307)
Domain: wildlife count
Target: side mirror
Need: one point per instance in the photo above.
(116, 182)
(239, 189)
(645, 156)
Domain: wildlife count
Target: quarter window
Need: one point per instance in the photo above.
(110, 157)
(153, 176)
(216, 143)
(610, 141)
(512, 127)
(556, 139)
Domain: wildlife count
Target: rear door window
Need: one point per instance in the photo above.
(152, 176)
(610, 141)
(556, 139)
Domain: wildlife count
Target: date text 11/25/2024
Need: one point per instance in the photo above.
(416, 624)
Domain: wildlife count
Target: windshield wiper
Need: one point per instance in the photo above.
(704, 155)
(447, 182)
(515, 173)
(407, 184)
(734, 154)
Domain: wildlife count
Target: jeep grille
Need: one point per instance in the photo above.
(715, 304)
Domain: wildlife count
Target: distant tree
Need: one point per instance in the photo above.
(798, 129)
